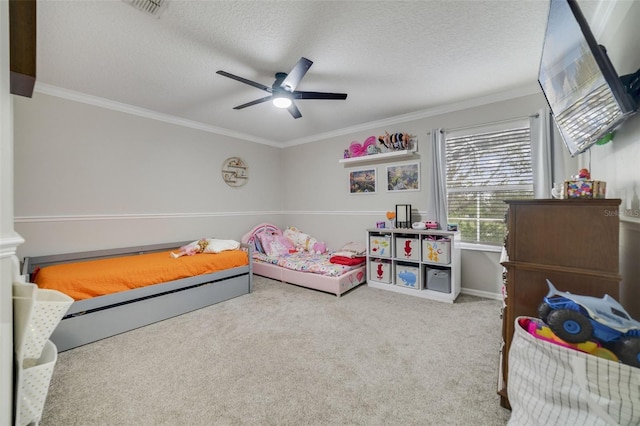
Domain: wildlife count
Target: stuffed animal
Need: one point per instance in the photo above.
(358, 150)
(394, 141)
(304, 242)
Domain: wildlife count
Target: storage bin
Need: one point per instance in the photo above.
(36, 314)
(380, 270)
(380, 245)
(585, 189)
(439, 280)
(32, 385)
(436, 249)
(407, 275)
(407, 248)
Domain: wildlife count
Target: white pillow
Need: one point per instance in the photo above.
(216, 246)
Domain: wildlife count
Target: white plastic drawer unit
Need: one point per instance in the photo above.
(380, 245)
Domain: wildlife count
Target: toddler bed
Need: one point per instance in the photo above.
(118, 290)
(303, 268)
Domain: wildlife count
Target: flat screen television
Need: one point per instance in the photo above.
(587, 98)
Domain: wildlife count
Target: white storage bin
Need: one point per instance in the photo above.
(407, 275)
(436, 249)
(380, 245)
(32, 385)
(380, 270)
(407, 248)
(36, 314)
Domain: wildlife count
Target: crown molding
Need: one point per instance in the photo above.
(418, 115)
(71, 95)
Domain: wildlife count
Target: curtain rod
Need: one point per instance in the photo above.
(536, 115)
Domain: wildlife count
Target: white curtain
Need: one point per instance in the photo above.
(541, 153)
(438, 181)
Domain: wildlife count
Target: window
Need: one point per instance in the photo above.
(485, 166)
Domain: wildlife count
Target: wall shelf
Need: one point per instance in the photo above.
(376, 157)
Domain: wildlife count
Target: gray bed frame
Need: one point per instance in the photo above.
(94, 319)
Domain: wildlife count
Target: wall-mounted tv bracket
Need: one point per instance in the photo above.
(631, 83)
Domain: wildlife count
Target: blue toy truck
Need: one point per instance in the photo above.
(576, 319)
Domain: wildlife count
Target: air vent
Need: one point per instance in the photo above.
(151, 7)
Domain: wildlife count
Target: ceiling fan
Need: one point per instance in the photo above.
(283, 91)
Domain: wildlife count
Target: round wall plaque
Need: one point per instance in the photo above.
(235, 171)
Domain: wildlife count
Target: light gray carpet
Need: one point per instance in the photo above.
(286, 355)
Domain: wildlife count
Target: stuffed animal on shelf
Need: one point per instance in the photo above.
(358, 150)
(394, 141)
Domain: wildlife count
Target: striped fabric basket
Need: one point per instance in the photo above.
(553, 385)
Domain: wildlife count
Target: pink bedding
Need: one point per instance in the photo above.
(307, 262)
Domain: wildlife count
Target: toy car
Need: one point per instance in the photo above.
(575, 319)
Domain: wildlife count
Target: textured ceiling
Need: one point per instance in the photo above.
(392, 58)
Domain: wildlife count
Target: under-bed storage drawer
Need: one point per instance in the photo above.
(94, 325)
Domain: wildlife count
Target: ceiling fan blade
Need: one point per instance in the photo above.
(245, 81)
(295, 112)
(293, 78)
(256, 102)
(319, 95)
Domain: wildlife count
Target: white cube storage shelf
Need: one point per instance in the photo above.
(422, 263)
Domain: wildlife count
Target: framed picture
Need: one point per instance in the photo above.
(404, 177)
(362, 181)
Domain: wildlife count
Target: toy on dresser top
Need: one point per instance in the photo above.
(581, 186)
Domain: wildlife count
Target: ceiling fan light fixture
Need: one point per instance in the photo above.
(281, 101)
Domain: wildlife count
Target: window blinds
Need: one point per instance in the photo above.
(486, 166)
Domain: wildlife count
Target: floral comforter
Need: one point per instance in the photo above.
(306, 262)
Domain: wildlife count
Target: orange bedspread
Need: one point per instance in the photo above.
(84, 280)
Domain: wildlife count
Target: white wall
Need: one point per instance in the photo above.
(88, 177)
(317, 199)
(617, 162)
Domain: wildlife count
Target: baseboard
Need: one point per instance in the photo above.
(480, 293)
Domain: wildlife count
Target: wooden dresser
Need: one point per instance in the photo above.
(573, 243)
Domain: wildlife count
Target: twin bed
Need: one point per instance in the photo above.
(306, 269)
(150, 286)
(118, 290)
